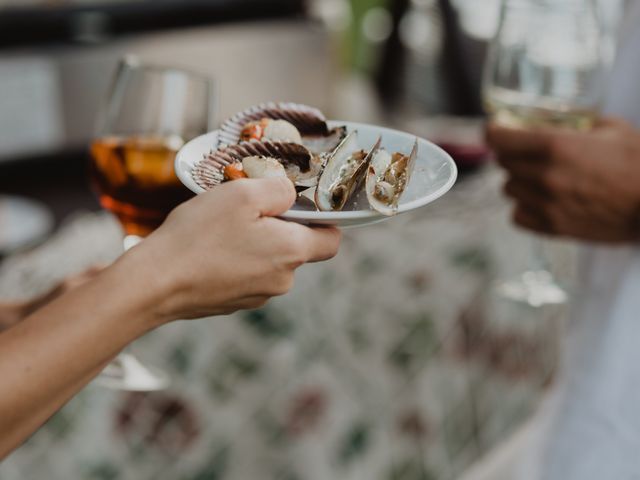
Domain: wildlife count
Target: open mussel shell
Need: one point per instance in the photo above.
(343, 174)
(209, 172)
(387, 179)
(310, 122)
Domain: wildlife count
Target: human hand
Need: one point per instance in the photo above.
(224, 250)
(584, 185)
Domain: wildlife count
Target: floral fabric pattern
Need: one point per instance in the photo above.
(394, 361)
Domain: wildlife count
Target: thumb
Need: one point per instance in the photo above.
(273, 196)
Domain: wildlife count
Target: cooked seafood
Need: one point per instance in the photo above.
(343, 174)
(235, 171)
(295, 159)
(387, 179)
(327, 166)
(310, 124)
(272, 130)
(263, 167)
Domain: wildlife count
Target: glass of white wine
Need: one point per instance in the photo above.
(545, 68)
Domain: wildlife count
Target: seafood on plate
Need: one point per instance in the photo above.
(226, 163)
(343, 174)
(328, 166)
(387, 178)
(284, 121)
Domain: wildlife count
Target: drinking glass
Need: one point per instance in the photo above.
(151, 111)
(545, 68)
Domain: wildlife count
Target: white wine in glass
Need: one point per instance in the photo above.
(545, 68)
(513, 109)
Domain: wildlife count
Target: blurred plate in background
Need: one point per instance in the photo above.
(23, 223)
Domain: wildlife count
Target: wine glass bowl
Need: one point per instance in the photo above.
(135, 180)
(150, 112)
(546, 65)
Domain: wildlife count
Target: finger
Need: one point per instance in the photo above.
(612, 123)
(531, 175)
(322, 243)
(513, 141)
(525, 163)
(268, 197)
(276, 195)
(252, 302)
(531, 193)
(531, 220)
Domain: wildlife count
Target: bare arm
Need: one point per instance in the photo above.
(54, 352)
(218, 253)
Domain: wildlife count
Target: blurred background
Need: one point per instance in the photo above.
(393, 61)
(418, 381)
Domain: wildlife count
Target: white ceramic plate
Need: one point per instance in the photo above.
(23, 222)
(434, 175)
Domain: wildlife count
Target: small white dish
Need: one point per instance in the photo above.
(434, 174)
(23, 223)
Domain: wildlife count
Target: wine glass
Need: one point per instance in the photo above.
(545, 68)
(149, 114)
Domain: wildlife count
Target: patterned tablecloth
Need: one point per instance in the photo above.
(393, 361)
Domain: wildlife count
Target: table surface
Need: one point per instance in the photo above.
(393, 361)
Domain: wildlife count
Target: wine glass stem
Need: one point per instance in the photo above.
(126, 372)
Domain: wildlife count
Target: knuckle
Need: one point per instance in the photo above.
(244, 192)
(286, 189)
(551, 182)
(504, 160)
(285, 284)
(509, 188)
(556, 146)
(552, 219)
(563, 148)
(281, 286)
(258, 303)
(335, 245)
(295, 244)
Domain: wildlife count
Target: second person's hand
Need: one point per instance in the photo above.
(583, 185)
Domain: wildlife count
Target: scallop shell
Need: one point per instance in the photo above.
(209, 171)
(310, 122)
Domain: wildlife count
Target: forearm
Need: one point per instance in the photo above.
(54, 352)
(10, 314)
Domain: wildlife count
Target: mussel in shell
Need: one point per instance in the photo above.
(387, 178)
(343, 174)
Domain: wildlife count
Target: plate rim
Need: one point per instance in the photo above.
(309, 215)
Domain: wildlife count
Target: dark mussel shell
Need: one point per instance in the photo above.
(209, 172)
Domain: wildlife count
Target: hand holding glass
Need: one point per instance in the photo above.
(545, 68)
